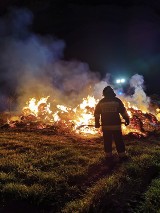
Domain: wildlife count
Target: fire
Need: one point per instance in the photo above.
(84, 115)
(90, 101)
(158, 114)
(80, 119)
(35, 107)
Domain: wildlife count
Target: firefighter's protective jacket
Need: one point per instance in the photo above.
(109, 109)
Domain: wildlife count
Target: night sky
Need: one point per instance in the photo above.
(113, 37)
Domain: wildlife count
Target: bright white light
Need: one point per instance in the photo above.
(122, 80)
(119, 81)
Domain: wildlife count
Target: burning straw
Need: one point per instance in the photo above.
(70, 119)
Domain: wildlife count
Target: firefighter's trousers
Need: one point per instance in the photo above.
(113, 135)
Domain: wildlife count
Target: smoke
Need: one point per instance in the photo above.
(32, 65)
(139, 98)
(98, 87)
(73, 76)
(16, 23)
(137, 81)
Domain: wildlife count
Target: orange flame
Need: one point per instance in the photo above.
(82, 115)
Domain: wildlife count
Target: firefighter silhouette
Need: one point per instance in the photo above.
(108, 112)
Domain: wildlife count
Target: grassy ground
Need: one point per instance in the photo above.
(44, 172)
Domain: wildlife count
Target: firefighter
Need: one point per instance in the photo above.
(108, 110)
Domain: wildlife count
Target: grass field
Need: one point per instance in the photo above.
(45, 172)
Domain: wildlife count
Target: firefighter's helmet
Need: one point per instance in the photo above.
(108, 91)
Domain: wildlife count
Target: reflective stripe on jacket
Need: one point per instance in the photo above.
(109, 110)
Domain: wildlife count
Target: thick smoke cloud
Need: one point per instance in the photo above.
(32, 65)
